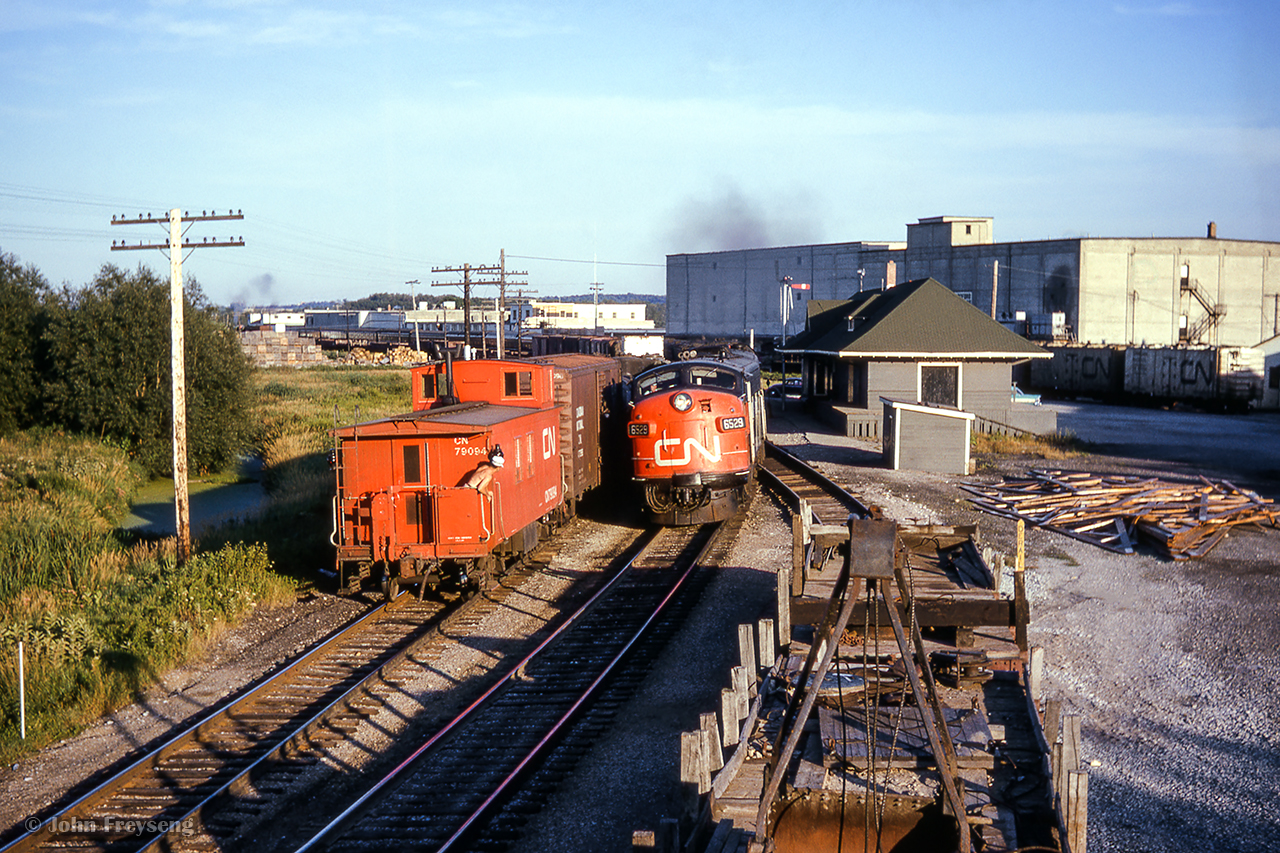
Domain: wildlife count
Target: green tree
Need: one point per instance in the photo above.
(23, 292)
(109, 372)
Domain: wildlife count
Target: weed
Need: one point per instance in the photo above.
(1059, 445)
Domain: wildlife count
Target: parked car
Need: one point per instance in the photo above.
(1017, 395)
(792, 384)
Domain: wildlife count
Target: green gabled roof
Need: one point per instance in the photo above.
(918, 318)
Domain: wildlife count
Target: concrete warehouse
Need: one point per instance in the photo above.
(1159, 291)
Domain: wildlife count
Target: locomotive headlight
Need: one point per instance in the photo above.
(682, 402)
(733, 423)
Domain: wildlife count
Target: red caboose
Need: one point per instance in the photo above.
(696, 428)
(452, 489)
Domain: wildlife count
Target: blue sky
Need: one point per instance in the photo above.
(367, 143)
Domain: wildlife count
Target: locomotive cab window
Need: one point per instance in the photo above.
(661, 381)
(517, 383)
(704, 376)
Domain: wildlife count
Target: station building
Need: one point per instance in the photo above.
(1159, 291)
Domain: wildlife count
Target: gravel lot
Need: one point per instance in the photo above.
(1172, 665)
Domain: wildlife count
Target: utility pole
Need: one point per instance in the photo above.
(496, 275)
(521, 293)
(177, 348)
(596, 287)
(995, 285)
(413, 306)
(466, 270)
(502, 295)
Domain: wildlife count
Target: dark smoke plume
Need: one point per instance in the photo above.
(730, 220)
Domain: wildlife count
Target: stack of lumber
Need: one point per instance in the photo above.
(396, 355)
(1111, 511)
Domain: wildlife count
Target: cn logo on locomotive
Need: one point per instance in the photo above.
(689, 445)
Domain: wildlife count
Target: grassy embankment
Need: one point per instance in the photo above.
(101, 615)
(294, 412)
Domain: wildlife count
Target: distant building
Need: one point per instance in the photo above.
(451, 321)
(352, 320)
(1116, 290)
(611, 316)
(278, 321)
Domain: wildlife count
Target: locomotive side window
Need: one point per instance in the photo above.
(517, 383)
(412, 463)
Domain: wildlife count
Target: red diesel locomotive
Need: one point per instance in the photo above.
(493, 453)
(696, 428)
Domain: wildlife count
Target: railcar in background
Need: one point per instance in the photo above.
(492, 455)
(696, 429)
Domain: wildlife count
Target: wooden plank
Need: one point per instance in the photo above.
(936, 613)
(1077, 815)
(845, 737)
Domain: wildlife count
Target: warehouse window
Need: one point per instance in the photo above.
(1275, 377)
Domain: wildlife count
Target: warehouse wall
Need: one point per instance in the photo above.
(1112, 290)
(1134, 294)
(727, 294)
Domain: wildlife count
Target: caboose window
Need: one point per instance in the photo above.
(412, 463)
(517, 383)
(435, 385)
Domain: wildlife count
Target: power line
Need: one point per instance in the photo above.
(585, 261)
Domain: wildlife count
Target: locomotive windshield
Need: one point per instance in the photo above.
(688, 376)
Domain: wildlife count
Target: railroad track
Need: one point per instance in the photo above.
(214, 774)
(467, 786)
(795, 480)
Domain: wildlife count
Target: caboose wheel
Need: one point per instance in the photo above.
(390, 589)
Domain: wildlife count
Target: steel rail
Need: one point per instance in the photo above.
(213, 722)
(776, 457)
(569, 715)
(237, 784)
(346, 817)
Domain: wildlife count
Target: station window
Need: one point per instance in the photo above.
(940, 383)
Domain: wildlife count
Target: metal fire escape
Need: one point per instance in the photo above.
(1213, 313)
